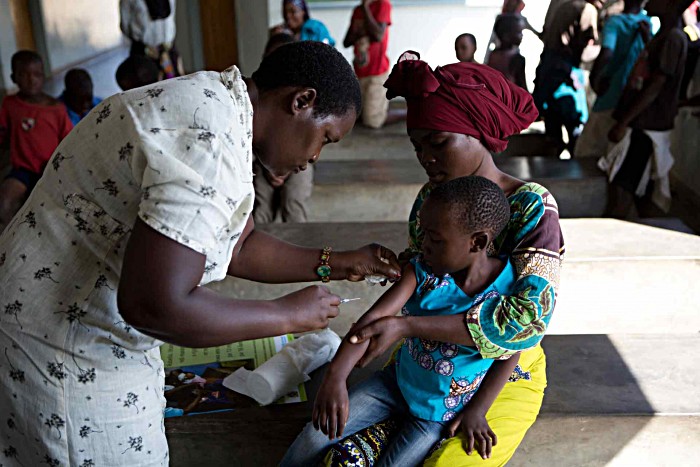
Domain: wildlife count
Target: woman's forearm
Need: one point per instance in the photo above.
(448, 328)
(373, 28)
(206, 319)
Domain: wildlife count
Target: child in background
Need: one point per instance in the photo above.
(430, 382)
(506, 58)
(465, 47)
(137, 71)
(34, 123)
(78, 97)
(645, 117)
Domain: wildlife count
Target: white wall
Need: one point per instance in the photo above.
(8, 46)
(432, 29)
(252, 21)
(76, 30)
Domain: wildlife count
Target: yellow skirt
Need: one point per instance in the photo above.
(511, 415)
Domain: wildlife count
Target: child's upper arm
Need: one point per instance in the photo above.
(393, 299)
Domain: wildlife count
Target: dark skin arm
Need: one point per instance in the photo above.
(256, 251)
(518, 64)
(159, 295)
(368, 27)
(331, 407)
(599, 82)
(385, 332)
(472, 419)
(648, 95)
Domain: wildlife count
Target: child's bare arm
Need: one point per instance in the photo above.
(472, 419)
(388, 305)
(331, 407)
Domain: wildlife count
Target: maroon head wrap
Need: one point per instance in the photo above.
(465, 98)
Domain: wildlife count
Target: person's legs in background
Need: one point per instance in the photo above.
(621, 192)
(375, 105)
(264, 208)
(295, 196)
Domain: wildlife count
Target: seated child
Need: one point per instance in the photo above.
(77, 96)
(506, 58)
(137, 71)
(430, 381)
(465, 47)
(34, 123)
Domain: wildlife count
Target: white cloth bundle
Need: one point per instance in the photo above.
(283, 372)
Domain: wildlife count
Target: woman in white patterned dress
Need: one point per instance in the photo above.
(146, 200)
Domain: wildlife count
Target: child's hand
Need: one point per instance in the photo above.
(331, 407)
(475, 428)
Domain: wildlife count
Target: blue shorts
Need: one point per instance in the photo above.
(29, 179)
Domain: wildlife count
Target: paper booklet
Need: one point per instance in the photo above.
(193, 377)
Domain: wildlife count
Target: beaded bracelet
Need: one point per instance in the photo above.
(324, 269)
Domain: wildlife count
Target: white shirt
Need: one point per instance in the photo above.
(137, 25)
(81, 386)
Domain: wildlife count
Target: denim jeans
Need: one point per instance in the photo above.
(372, 401)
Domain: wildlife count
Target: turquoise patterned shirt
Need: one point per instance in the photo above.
(438, 379)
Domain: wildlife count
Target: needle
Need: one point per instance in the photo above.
(346, 300)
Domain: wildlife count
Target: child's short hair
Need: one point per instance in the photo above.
(138, 71)
(475, 203)
(507, 23)
(24, 57)
(276, 41)
(468, 36)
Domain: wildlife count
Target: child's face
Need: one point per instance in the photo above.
(514, 36)
(465, 50)
(446, 248)
(29, 77)
(446, 156)
(80, 101)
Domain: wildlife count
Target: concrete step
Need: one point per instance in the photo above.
(613, 441)
(562, 441)
(384, 190)
(617, 276)
(595, 384)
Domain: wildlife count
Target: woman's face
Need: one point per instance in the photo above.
(293, 16)
(446, 156)
(298, 142)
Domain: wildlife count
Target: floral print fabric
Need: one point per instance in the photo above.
(79, 386)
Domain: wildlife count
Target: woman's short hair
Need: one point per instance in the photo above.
(311, 64)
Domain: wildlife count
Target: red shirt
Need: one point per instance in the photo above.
(34, 131)
(370, 57)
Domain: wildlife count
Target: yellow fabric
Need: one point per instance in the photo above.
(511, 415)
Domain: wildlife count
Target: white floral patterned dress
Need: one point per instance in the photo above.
(78, 385)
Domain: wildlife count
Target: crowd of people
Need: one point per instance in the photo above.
(158, 189)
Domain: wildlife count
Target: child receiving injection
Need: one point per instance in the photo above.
(430, 382)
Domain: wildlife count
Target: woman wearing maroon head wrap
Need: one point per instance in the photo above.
(458, 115)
